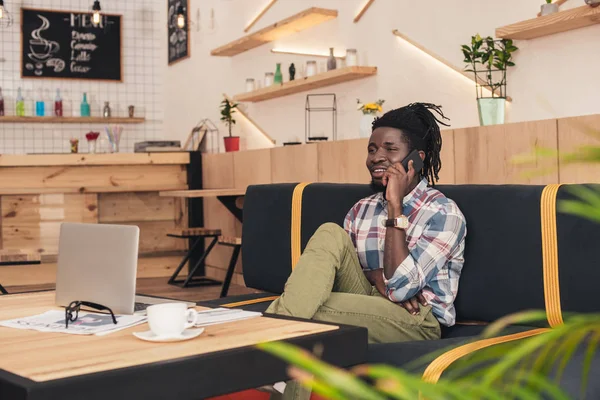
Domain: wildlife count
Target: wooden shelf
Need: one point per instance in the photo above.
(70, 120)
(303, 84)
(563, 21)
(296, 23)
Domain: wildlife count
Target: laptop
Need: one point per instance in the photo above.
(98, 263)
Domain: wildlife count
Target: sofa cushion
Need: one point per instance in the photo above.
(266, 245)
(578, 248)
(502, 273)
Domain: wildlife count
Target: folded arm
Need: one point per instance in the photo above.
(407, 272)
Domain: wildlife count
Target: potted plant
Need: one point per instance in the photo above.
(549, 8)
(488, 60)
(232, 143)
(369, 111)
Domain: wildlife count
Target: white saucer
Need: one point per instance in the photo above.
(185, 335)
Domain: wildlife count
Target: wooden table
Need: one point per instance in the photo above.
(224, 359)
(230, 198)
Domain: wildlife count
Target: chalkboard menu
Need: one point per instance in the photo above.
(65, 44)
(178, 41)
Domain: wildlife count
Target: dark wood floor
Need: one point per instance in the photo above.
(159, 287)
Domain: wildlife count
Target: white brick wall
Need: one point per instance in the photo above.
(144, 60)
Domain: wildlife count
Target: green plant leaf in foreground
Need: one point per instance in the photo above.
(587, 205)
(327, 375)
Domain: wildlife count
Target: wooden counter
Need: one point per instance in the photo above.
(44, 160)
(39, 192)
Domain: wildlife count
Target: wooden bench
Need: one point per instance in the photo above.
(198, 235)
(236, 243)
(17, 257)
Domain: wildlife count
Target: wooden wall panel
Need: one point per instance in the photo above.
(32, 222)
(134, 206)
(483, 155)
(217, 171)
(343, 161)
(573, 133)
(446, 174)
(78, 179)
(294, 164)
(251, 167)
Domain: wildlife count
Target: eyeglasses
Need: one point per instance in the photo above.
(72, 311)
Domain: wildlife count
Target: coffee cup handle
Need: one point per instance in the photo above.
(193, 314)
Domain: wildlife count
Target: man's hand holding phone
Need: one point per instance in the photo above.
(397, 182)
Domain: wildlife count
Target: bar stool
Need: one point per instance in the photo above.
(197, 234)
(236, 243)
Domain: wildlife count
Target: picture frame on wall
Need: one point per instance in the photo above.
(178, 41)
(62, 44)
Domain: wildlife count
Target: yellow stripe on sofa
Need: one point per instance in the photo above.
(253, 301)
(434, 371)
(296, 234)
(550, 255)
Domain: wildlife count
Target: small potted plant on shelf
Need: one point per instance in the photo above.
(232, 143)
(488, 60)
(369, 111)
(549, 8)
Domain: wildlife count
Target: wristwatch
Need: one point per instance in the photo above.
(401, 222)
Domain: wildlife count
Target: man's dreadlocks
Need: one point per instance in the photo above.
(421, 131)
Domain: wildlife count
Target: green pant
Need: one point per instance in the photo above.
(328, 284)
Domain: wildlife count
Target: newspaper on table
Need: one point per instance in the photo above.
(87, 323)
(223, 315)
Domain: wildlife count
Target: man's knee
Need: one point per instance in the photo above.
(332, 228)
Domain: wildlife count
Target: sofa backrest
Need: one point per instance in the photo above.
(503, 270)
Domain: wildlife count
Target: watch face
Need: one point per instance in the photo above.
(402, 222)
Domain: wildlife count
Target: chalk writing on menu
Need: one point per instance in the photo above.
(68, 45)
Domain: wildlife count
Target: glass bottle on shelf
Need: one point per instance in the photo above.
(311, 68)
(268, 79)
(20, 104)
(351, 58)
(85, 106)
(39, 104)
(58, 104)
(106, 112)
(278, 76)
(331, 61)
(1, 104)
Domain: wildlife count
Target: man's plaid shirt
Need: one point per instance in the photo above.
(436, 242)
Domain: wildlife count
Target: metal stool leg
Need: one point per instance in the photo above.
(2, 290)
(200, 261)
(230, 270)
(185, 259)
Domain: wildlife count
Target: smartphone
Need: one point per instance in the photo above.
(417, 165)
(417, 162)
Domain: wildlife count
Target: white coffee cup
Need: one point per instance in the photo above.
(170, 319)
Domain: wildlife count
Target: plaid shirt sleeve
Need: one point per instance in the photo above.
(349, 225)
(440, 242)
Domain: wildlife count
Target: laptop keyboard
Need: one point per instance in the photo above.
(140, 306)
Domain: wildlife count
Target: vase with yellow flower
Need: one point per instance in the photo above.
(370, 111)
